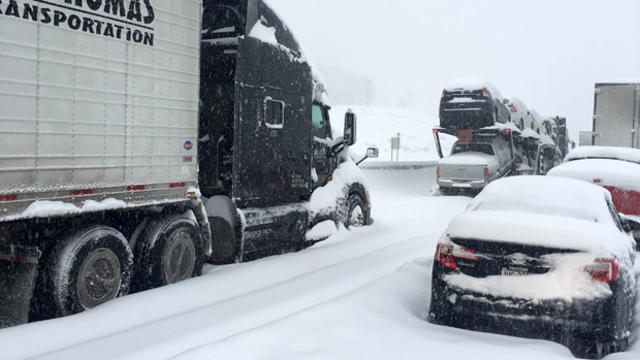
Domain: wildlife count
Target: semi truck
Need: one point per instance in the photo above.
(141, 139)
(616, 116)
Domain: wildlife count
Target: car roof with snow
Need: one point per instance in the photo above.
(604, 152)
(545, 195)
(471, 84)
(605, 172)
(543, 211)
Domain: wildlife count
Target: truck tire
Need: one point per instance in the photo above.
(356, 212)
(90, 268)
(168, 251)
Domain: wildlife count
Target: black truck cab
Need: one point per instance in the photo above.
(265, 134)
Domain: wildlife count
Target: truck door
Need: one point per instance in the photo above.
(613, 121)
(324, 162)
(272, 155)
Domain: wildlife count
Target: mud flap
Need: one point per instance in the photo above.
(18, 270)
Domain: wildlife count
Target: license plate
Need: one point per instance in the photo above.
(514, 271)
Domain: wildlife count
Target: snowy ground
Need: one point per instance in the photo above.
(359, 294)
(376, 127)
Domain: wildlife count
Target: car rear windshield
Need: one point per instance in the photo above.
(473, 147)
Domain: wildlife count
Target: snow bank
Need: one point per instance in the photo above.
(616, 173)
(377, 125)
(604, 152)
(566, 281)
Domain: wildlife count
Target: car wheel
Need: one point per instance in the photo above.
(90, 268)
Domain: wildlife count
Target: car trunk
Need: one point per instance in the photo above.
(506, 259)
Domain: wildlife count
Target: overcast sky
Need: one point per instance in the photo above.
(549, 53)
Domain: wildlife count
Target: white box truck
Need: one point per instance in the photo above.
(116, 114)
(616, 119)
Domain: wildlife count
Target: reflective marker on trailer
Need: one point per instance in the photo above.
(81, 192)
(8, 197)
(177, 185)
(135, 188)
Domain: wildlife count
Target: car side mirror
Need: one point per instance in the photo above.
(373, 153)
(633, 227)
(505, 101)
(349, 128)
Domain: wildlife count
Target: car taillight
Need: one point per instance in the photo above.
(485, 92)
(486, 173)
(438, 171)
(603, 270)
(447, 255)
(444, 92)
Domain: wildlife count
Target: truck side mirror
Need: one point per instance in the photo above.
(372, 153)
(505, 101)
(349, 128)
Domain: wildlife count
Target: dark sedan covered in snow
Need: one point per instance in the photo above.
(539, 257)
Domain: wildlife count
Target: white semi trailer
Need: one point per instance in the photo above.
(616, 119)
(140, 139)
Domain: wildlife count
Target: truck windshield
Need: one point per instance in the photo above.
(473, 147)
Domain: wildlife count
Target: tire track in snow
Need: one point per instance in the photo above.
(174, 335)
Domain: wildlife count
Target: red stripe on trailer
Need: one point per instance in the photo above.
(81, 192)
(177, 185)
(135, 188)
(8, 197)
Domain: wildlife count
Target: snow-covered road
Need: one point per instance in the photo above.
(360, 294)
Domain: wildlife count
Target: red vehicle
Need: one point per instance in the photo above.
(616, 169)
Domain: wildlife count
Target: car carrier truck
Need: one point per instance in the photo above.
(141, 139)
(616, 116)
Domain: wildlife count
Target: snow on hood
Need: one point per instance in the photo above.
(617, 173)
(468, 158)
(551, 231)
(529, 133)
(471, 84)
(546, 140)
(328, 198)
(506, 126)
(604, 152)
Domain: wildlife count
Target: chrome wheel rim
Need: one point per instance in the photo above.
(99, 278)
(179, 258)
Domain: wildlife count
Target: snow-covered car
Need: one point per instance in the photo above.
(472, 165)
(539, 257)
(536, 120)
(616, 169)
(520, 114)
(472, 103)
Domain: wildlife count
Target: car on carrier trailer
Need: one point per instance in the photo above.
(142, 146)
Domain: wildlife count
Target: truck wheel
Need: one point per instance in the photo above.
(90, 268)
(356, 214)
(168, 251)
